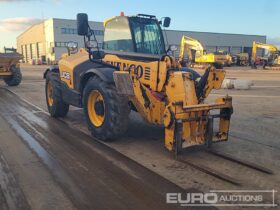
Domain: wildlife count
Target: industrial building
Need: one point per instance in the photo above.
(46, 41)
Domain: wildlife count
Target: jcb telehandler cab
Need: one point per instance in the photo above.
(135, 72)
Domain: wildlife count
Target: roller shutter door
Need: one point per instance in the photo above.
(40, 50)
(211, 49)
(235, 50)
(28, 53)
(24, 52)
(33, 51)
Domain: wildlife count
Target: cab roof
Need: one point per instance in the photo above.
(138, 15)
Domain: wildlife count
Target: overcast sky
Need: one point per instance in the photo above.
(260, 17)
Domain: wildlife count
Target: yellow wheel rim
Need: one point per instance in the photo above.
(96, 108)
(49, 93)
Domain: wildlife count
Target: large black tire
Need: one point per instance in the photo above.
(16, 77)
(115, 110)
(57, 107)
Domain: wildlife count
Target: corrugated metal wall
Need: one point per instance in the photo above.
(233, 43)
(223, 48)
(210, 49)
(235, 50)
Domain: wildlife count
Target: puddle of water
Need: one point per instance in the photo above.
(33, 144)
(47, 159)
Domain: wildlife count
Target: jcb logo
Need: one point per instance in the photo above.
(65, 75)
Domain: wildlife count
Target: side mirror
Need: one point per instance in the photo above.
(172, 48)
(82, 24)
(166, 22)
(91, 44)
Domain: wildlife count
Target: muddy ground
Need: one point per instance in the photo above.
(55, 164)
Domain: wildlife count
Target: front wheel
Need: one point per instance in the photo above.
(16, 77)
(106, 111)
(56, 106)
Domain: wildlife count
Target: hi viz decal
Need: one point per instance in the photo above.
(137, 69)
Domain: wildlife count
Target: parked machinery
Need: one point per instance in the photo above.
(242, 59)
(9, 67)
(198, 56)
(135, 72)
(271, 60)
(224, 57)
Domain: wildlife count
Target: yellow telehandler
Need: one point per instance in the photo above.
(133, 71)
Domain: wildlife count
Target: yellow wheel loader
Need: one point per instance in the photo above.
(271, 61)
(133, 71)
(9, 68)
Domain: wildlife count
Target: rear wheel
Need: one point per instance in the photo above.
(106, 111)
(16, 77)
(56, 106)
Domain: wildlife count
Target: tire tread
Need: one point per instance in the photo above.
(116, 120)
(59, 108)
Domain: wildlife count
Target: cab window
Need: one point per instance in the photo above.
(117, 36)
(148, 36)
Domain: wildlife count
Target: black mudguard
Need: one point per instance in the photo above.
(52, 69)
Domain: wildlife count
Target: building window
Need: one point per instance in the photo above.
(63, 30)
(62, 44)
(75, 31)
(99, 32)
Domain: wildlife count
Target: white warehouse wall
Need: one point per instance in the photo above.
(60, 37)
